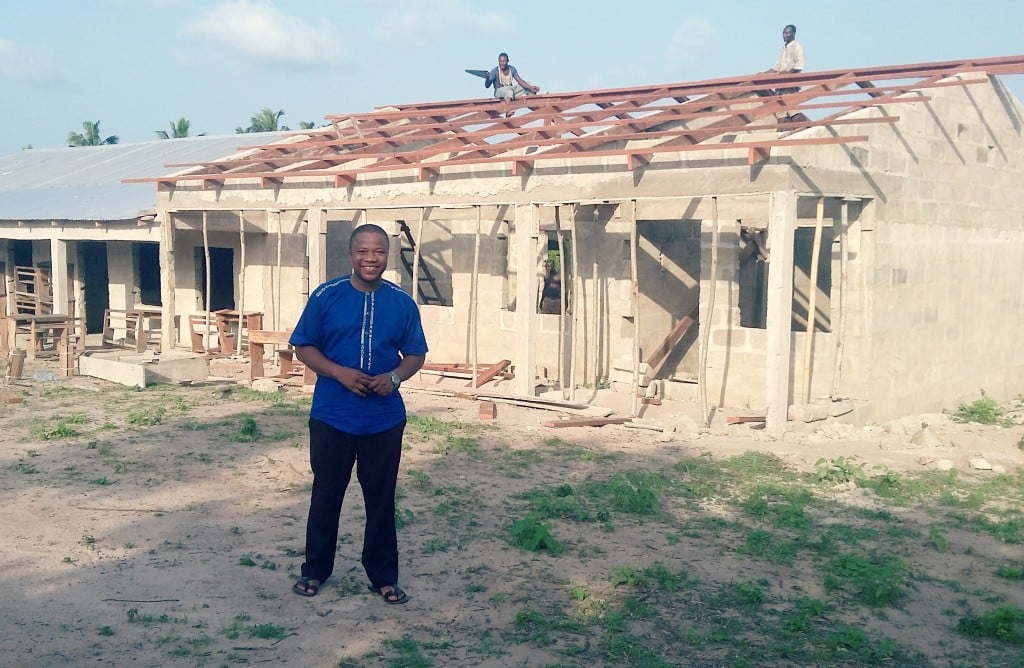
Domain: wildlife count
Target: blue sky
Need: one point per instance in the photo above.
(137, 65)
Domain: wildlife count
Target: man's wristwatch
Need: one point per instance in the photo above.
(395, 380)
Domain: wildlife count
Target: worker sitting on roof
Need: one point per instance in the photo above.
(506, 81)
(791, 58)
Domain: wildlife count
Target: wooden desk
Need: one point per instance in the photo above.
(55, 330)
(136, 334)
(225, 318)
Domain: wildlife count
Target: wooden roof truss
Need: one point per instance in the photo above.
(736, 114)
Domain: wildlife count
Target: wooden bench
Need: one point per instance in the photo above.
(288, 363)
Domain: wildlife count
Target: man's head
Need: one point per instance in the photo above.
(503, 60)
(789, 33)
(368, 248)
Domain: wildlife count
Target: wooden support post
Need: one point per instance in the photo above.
(276, 279)
(705, 339)
(241, 280)
(206, 300)
(781, 230)
(634, 285)
(526, 232)
(577, 306)
(562, 269)
(595, 333)
(812, 298)
(168, 335)
(417, 243)
(474, 297)
(844, 268)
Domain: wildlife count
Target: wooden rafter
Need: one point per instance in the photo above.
(737, 113)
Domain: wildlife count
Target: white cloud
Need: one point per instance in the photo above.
(689, 41)
(26, 64)
(260, 32)
(414, 22)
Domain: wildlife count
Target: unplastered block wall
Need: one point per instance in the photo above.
(736, 361)
(668, 270)
(948, 252)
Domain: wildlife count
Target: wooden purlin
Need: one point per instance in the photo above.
(430, 136)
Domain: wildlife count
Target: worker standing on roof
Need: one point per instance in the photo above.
(791, 58)
(507, 83)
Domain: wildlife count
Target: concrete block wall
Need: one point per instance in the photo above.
(945, 257)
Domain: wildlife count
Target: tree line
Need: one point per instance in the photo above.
(265, 120)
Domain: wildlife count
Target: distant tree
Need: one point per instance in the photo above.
(90, 136)
(306, 125)
(26, 147)
(265, 120)
(179, 129)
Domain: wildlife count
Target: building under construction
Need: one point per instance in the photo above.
(854, 249)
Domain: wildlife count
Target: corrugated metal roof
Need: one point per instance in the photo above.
(84, 183)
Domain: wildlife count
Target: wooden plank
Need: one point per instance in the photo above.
(585, 422)
(739, 419)
(488, 375)
(675, 336)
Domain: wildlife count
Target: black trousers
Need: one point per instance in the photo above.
(332, 453)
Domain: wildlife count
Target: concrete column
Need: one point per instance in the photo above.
(781, 233)
(525, 355)
(59, 275)
(168, 332)
(316, 248)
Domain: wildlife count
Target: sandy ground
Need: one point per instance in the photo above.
(126, 543)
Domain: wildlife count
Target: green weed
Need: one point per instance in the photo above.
(838, 471)
(531, 534)
(147, 417)
(876, 580)
(982, 411)
(246, 431)
(1005, 624)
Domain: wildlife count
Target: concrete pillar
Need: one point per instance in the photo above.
(59, 275)
(525, 355)
(781, 233)
(316, 249)
(168, 333)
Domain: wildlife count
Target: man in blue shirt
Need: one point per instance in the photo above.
(362, 336)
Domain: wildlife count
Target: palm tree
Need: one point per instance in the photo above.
(265, 120)
(179, 129)
(306, 125)
(90, 136)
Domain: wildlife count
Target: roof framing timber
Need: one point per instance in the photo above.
(635, 124)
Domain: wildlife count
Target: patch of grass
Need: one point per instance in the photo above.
(849, 645)
(149, 416)
(246, 431)
(240, 627)
(873, 579)
(454, 444)
(768, 546)
(530, 533)
(1005, 624)
(409, 653)
(1010, 573)
(25, 468)
(981, 411)
(105, 631)
(102, 481)
(838, 471)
